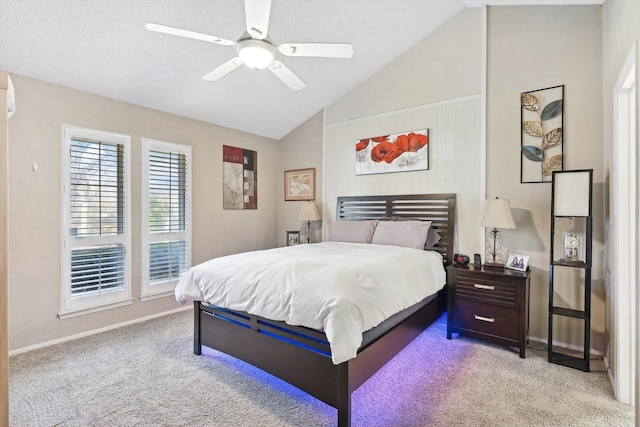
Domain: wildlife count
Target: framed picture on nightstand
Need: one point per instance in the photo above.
(518, 262)
(293, 238)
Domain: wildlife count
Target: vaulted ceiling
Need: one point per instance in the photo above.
(102, 47)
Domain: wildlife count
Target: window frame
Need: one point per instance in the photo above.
(78, 305)
(167, 288)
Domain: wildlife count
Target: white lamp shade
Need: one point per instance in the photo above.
(571, 193)
(496, 213)
(309, 212)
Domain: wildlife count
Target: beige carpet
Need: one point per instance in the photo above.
(147, 375)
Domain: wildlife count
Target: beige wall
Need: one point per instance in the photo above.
(441, 67)
(434, 85)
(301, 149)
(533, 48)
(35, 202)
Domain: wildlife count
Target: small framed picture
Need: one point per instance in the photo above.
(300, 184)
(293, 238)
(518, 262)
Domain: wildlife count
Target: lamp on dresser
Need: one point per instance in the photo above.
(309, 212)
(495, 214)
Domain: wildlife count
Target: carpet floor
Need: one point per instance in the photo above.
(147, 375)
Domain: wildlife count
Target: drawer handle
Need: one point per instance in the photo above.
(487, 287)
(484, 319)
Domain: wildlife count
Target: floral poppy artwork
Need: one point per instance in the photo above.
(401, 152)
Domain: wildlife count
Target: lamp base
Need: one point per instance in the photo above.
(493, 265)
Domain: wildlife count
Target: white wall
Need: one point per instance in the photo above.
(35, 202)
(434, 85)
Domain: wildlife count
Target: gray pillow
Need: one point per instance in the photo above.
(410, 234)
(432, 238)
(432, 235)
(353, 231)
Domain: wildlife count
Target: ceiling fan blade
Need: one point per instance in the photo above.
(325, 50)
(257, 15)
(159, 28)
(286, 75)
(223, 69)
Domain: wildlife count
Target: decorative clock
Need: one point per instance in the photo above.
(572, 246)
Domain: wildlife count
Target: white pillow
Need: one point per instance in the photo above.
(353, 231)
(410, 234)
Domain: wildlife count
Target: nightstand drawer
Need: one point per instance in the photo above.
(488, 319)
(488, 291)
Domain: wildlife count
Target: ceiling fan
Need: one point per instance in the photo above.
(256, 50)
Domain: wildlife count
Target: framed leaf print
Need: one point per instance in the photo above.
(542, 144)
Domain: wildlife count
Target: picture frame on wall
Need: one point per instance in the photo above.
(400, 152)
(300, 184)
(541, 141)
(293, 238)
(239, 178)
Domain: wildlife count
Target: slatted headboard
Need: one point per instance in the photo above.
(437, 208)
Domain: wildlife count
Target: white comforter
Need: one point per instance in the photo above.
(341, 288)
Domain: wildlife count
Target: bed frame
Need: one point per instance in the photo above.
(301, 356)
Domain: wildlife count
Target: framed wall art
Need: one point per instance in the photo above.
(239, 178)
(542, 145)
(300, 184)
(401, 152)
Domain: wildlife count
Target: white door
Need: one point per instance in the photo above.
(625, 233)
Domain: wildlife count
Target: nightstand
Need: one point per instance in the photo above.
(489, 304)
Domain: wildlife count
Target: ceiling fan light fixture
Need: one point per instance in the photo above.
(256, 54)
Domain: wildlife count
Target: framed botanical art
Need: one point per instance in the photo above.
(300, 184)
(542, 146)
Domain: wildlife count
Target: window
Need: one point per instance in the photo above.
(166, 216)
(96, 221)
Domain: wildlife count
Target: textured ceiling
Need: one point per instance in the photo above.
(102, 47)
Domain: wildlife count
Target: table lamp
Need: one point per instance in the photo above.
(495, 214)
(309, 212)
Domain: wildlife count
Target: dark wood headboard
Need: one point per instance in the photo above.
(438, 208)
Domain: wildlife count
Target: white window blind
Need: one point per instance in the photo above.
(168, 215)
(97, 188)
(97, 209)
(96, 269)
(96, 218)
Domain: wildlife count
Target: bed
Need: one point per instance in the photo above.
(302, 356)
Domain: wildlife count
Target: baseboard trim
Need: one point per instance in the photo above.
(99, 330)
(565, 345)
